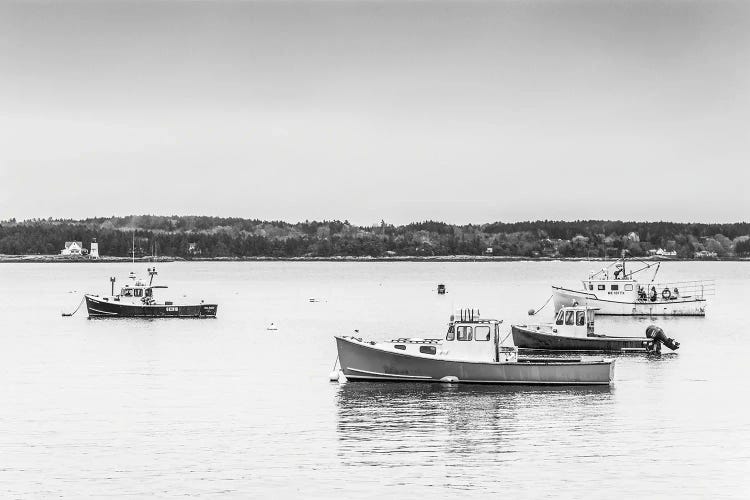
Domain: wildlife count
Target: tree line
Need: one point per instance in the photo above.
(211, 237)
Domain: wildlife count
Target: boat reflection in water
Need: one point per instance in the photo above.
(422, 425)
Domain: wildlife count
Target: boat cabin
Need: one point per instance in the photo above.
(139, 289)
(575, 321)
(609, 289)
(472, 338)
(469, 338)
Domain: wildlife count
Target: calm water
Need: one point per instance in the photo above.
(174, 408)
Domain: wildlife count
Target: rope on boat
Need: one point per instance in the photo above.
(534, 312)
(506, 337)
(335, 375)
(335, 362)
(65, 315)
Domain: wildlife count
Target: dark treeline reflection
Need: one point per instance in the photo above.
(210, 237)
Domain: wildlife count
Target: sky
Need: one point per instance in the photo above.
(464, 112)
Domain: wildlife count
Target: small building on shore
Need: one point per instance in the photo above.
(705, 254)
(94, 252)
(72, 248)
(662, 253)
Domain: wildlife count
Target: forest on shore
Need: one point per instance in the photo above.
(193, 237)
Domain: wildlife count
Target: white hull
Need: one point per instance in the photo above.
(563, 297)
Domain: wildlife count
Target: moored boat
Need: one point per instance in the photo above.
(470, 352)
(573, 330)
(137, 300)
(620, 294)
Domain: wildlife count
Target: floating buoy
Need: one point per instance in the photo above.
(532, 312)
(272, 327)
(450, 379)
(334, 376)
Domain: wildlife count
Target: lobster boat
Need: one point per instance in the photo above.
(137, 299)
(615, 291)
(573, 330)
(469, 352)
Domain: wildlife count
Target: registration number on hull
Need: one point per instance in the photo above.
(172, 309)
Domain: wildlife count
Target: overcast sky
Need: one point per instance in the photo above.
(403, 111)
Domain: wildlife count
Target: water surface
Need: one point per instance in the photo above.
(174, 408)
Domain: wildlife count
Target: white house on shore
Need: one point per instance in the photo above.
(663, 253)
(72, 248)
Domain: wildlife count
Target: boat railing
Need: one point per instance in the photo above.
(416, 341)
(694, 289)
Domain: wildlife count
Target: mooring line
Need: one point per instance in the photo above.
(335, 362)
(545, 305)
(77, 308)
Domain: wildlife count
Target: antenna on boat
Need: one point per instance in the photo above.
(133, 246)
(151, 272)
(656, 271)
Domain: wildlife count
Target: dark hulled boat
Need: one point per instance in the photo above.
(574, 331)
(137, 300)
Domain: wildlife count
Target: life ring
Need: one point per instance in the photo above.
(666, 294)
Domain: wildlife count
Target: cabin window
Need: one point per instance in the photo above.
(463, 333)
(559, 320)
(580, 318)
(427, 349)
(482, 333)
(138, 292)
(628, 288)
(127, 292)
(591, 287)
(400, 347)
(600, 287)
(615, 287)
(149, 292)
(451, 333)
(569, 317)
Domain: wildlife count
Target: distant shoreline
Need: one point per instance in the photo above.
(441, 258)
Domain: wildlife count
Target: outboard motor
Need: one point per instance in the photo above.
(657, 334)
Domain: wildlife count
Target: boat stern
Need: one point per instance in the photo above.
(208, 310)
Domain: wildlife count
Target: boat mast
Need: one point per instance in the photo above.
(133, 246)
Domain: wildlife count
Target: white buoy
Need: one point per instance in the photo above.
(334, 376)
(450, 379)
(272, 327)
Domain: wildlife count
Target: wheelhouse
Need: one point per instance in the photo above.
(468, 338)
(471, 337)
(575, 321)
(138, 289)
